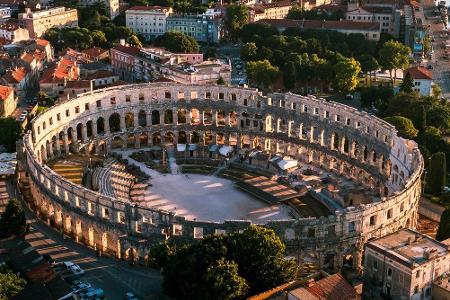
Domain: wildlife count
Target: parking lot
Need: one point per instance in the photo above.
(114, 277)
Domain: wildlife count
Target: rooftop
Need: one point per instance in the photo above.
(15, 75)
(409, 247)
(127, 49)
(94, 52)
(322, 24)
(5, 91)
(419, 73)
(150, 8)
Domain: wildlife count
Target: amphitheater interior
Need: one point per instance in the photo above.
(121, 169)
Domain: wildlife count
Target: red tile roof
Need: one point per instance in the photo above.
(78, 84)
(5, 91)
(319, 24)
(333, 287)
(419, 73)
(64, 70)
(42, 42)
(99, 74)
(15, 76)
(94, 52)
(127, 49)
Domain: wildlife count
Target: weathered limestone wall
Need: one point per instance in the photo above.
(331, 135)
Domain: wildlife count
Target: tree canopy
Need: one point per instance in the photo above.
(346, 74)
(437, 173)
(227, 267)
(10, 132)
(10, 284)
(177, 42)
(443, 232)
(13, 220)
(393, 56)
(404, 126)
(236, 18)
(262, 73)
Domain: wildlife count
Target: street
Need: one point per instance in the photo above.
(113, 276)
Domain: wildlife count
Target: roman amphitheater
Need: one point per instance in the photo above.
(124, 168)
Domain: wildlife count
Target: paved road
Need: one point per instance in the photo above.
(114, 277)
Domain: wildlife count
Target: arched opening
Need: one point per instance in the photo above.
(89, 128)
(207, 117)
(155, 117)
(195, 117)
(117, 143)
(100, 125)
(335, 141)
(104, 242)
(208, 138)
(233, 118)
(168, 117)
(156, 138)
(182, 137)
(142, 118)
(131, 141)
(181, 116)
(220, 118)
(169, 138)
(195, 138)
(346, 145)
(79, 132)
(54, 143)
(143, 139)
(114, 122)
(129, 120)
(220, 138)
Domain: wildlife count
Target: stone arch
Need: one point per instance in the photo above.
(182, 137)
(220, 138)
(195, 138)
(156, 138)
(169, 137)
(131, 255)
(181, 116)
(129, 120)
(131, 141)
(104, 246)
(207, 116)
(100, 125)
(89, 129)
(220, 118)
(142, 118)
(155, 117)
(79, 131)
(55, 144)
(168, 116)
(335, 141)
(143, 139)
(70, 133)
(114, 122)
(91, 237)
(207, 137)
(233, 118)
(195, 117)
(42, 153)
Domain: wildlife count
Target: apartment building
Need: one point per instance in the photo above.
(12, 33)
(54, 78)
(148, 21)
(8, 102)
(39, 22)
(206, 27)
(113, 6)
(274, 10)
(380, 14)
(403, 265)
(122, 61)
(422, 80)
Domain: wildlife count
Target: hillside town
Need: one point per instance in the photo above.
(249, 149)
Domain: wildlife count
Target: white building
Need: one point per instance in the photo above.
(382, 15)
(148, 21)
(12, 33)
(422, 79)
(38, 22)
(403, 265)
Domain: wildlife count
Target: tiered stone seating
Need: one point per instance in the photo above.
(70, 170)
(114, 181)
(4, 196)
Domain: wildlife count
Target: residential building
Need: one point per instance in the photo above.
(380, 14)
(39, 22)
(122, 60)
(148, 21)
(18, 79)
(189, 68)
(102, 78)
(441, 288)
(54, 79)
(274, 10)
(5, 13)
(422, 80)
(8, 102)
(95, 53)
(403, 265)
(371, 30)
(206, 27)
(413, 27)
(12, 33)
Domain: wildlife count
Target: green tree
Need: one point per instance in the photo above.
(237, 17)
(290, 75)
(259, 253)
(10, 132)
(369, 65)
(393, 56)
(222, 281)
(407, 84)
(436, 90)
(437, 173)
(10, 284)
(443, 231)
(159, 255)
(262, 73)
(220, 81)
(13, 220)
(346, 74)
(99, 38)
(177, 42)
(134, 41)
(249, 51)
(404, 126)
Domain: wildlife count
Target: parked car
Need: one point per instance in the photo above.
(74, 268)
(92, 293)
(80, 286)
(130, 296)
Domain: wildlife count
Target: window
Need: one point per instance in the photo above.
(338, 118)
(327, 114)
(99, 103)
(67, 113)
(416, 289)
(316, 111)
(375, 265)
(245, 102)
(128, 98)
(373, 220)
(389, 213)
(50, 121)
(58, 117)
(208, 95)
(351, 227)
(418, 274)
(77, 109)
(86, 106)
(167, 95)
(113, 100)
(221, 96)
(389, 272)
